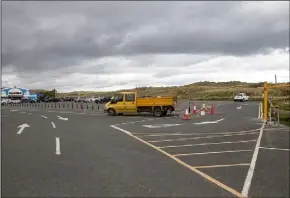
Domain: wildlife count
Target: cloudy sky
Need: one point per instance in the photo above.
(114, 45)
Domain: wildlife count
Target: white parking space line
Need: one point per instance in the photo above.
(190, 134)
(210, 122)
(215, 152)
(53, 125)
(43, 116)
(206, 137)
(222, 165)
(202, 174)
(247, 183)
(144, 120)
(278, 149)
(57, 146)
(204, 144)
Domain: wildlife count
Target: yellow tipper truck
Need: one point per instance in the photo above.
(128, 102)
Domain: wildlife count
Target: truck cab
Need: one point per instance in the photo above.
(124, 102)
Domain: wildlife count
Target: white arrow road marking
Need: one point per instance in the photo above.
(53, 125)
(22, 126)
(160, 125)
(43, 116)
(239, 107)
(61, 118)
(13, 110)
(210, 122)
(57, 146)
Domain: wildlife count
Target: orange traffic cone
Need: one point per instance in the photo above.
(186, 115)
(211, 110)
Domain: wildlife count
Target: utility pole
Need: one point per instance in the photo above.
(275, 79)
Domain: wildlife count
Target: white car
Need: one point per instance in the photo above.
(242, 97)
(96, 99)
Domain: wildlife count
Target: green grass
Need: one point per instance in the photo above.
(197, 91)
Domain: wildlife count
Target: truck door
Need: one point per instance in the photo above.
(130, 104)
(119, 104)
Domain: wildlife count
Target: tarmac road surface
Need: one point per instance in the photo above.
(66, 152)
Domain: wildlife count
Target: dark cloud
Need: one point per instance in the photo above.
(54, 36)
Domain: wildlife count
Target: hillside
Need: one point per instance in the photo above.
(200, 90)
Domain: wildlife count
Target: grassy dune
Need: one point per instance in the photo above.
(199, 91)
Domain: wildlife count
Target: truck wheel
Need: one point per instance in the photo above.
(164, 113)
(157, 112)
(111, 112)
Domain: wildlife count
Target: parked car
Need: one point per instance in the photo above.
(242, 97)
(88, 100)
(80, 99)
(28, 101)
(105, 99)
(53, 100)
(68, 99)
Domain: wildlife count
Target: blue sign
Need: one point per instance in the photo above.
(18, 92)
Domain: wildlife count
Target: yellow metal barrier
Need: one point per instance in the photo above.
(266, 91)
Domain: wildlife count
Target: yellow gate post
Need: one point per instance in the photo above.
(265, 101)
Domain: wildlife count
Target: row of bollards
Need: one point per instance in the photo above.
(87, 106)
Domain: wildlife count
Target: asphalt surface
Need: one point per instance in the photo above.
(74, 152)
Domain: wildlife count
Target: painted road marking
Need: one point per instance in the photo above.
(279, 149)
(61, 118)
(204, 144)
(189, 134)
(144, 120)
(239, 107)
(160, 125)
(250, 173)
(22, 127)
(214, 152)
(13, 110)
(57, 152)
(212, 180)
(222, 165)
(78, 113)
(53, 125)
(43, 116)
(206, 137)
(210, 122)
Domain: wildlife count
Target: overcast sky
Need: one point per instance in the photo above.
(114, 45)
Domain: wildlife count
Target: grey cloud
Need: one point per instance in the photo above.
(39, 36)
